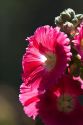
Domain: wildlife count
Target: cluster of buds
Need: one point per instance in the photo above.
(72, 24)
(68, 20)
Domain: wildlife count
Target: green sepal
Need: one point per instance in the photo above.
(38, 121)
(81, 73)
(75, 65)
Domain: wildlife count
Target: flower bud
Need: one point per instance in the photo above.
(71, 12)
(79, 16)
(68, 27)
(65, 16)
(58, 20)
(74, 20)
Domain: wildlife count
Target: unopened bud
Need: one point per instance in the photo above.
(78, 57)
(65, 16)
(71, 12)
(68, 27)
(79, 16)
(74, 20)
(58, 20)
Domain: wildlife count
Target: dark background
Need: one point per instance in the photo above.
(19, 19)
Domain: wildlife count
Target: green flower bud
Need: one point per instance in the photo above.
(68, 27)
(71, 12)
(74, 20)
(65, 16)
(58, 20)
(79, 16)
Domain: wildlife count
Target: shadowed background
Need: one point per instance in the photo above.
(19, 19)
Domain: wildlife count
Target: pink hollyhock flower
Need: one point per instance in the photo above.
(46, 56)
(78, 40)
(62, 104)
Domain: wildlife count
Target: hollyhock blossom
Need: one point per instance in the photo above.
(61, 105)
(46, 56)
(78, 40)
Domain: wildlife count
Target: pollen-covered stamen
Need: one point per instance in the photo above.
(81, 43)
(65, 103)
(50, 61)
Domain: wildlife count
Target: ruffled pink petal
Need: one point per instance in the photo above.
(29, 97)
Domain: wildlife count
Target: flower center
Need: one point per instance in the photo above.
(81, 44)
(65, 103)
(51, 61)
